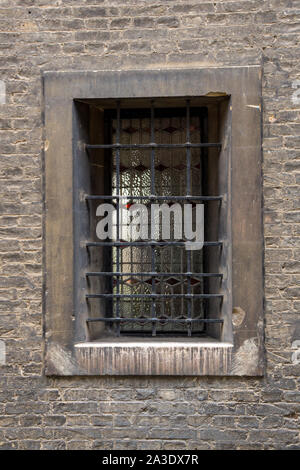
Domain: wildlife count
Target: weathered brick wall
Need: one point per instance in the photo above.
(161, 413)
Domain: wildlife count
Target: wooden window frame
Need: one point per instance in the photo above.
(240, 350)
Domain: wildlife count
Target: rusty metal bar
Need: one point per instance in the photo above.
(151, 145)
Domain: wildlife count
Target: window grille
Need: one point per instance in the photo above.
(153, 287)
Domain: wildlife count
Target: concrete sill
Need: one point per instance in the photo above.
(157, 356)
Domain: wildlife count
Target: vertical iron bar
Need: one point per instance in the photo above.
(188, 193)
(152, 138)
(118, 133)
(204, 190)
(108, 189)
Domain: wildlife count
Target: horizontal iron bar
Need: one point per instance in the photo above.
(152, 320)
(153, 274)
(148, 243)
(157, 198)
(152, 145)
(155, 296)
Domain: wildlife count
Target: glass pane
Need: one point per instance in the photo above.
(170, 180)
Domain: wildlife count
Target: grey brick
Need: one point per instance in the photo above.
(161, 412)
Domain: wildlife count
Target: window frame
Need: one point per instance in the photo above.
(95, 119)
(240, 353)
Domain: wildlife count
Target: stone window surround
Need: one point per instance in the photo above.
(238, 353)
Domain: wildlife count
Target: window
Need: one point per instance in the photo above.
(152, 287)
(148, 305)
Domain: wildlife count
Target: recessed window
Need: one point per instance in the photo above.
(179, 139)
(159, 155)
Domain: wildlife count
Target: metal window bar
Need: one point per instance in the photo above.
(118, 135)
(145, 274)
(117, 320)
(159, 296)
(152, 137)
(188, 191)
(156, 198)
(157, 320)
(152, 145)
(122, 243)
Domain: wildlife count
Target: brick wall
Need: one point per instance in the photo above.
(161, 413)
